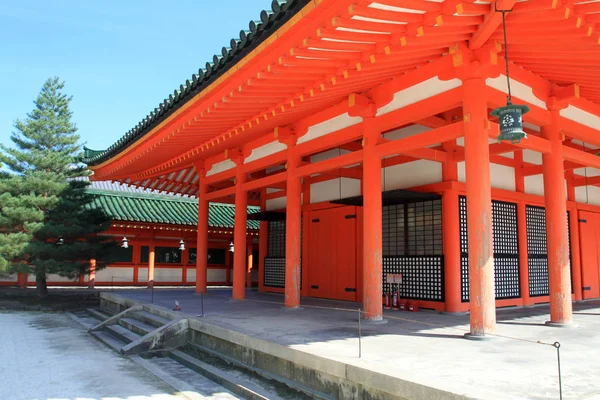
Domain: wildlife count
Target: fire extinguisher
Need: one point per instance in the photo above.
(395, 299)
(386, 304)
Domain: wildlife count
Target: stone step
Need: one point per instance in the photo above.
(98, 314)
(152, 319)
(109, 340)
(121, 333)
(136, 326)
(237, 385)
(280, 382)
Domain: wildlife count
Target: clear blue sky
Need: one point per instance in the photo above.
(119, 58)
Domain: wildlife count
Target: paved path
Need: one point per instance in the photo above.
(48, 356)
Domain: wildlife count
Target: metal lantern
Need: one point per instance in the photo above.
(510, 119)
(181, 245)
(231, 247)
(60, 241)
(124, 242)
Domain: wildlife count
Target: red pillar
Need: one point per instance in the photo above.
(92, 275)
(202, 238)
(239, 236)
(522, 230)
(262, 242)
(561, 308)
(22, 280)
(479, 209)
(292, 232)
(249, 262)
(151, 255)
(451, 236)
(372, 220)
(451, 243)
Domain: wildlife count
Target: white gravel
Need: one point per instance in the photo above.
(48, 356)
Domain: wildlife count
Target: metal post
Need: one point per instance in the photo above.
(112, 286)
(359, 336)
(557, 346)
(152, 295)
(202, 303)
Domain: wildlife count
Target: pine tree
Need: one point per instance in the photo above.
(47, 222)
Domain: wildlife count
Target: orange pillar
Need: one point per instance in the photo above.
(451, 243)
(262, 242)
(292, 232)
(239, 236)
(479, 209)
(249, 263)
(372, 221)
(561, 308)
(92, 275)
(522, 230)
(22, 280)
(151, 265)
(202, 238)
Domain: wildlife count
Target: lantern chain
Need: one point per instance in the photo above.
(505, 50)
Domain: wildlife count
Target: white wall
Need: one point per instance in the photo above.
(167, 274)
(591, 196)
(501, 177)
(191, 275)
(143, 275)
(9, 278)
(216, 275)
(119, 274)
(416, 173)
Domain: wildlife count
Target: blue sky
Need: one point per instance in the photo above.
(119, 58)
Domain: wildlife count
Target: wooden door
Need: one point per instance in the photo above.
(320, 254)
(345, 263)
(589, 224)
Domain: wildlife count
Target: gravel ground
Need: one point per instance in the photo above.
(48, 356)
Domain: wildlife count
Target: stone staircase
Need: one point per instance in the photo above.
(163, 343)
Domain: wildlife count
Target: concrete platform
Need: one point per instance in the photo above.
(423, 347)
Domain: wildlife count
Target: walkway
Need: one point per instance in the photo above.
(424, 347)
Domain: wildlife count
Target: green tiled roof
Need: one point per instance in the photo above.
(164, 209)
(259, 30)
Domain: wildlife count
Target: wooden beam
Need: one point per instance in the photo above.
(491, 22)
(409, 144)
(330, 164)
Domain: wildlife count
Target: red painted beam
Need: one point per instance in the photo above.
(266, 181)
(412, 143)
(534, 143)
(330, 164)
(217, 194)
(491, 22)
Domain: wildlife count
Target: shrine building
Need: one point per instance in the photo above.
(377, 139)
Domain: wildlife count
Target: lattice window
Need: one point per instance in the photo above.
(412, 229)
(422, 276)
(538, 251)
(276, 239)
(506, 250)
(275, 272)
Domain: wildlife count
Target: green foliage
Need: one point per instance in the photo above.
(43, 195)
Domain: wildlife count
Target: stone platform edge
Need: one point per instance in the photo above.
(367, 378)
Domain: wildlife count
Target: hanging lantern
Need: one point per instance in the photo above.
(231, 247)
(124, 242)
(510, 119)
(60, 241)
(181, 245)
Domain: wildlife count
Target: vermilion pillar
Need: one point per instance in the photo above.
(92, 275)
(249, 263)
(292, 232)
(372, 221)
(202, 238)
(479, 209)
(151, 266)
(522, 230)
(262, 241)
(239, 236)
(451, 243)
(561, 311)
